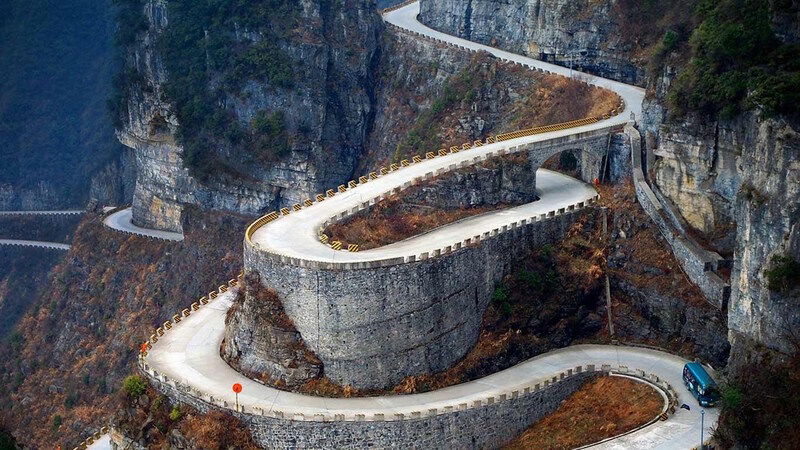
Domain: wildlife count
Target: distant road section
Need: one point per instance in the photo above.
(43, 213)
(40, 244)
(121, 221)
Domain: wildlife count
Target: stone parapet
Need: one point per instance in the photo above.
(698, 264)
(483, 423)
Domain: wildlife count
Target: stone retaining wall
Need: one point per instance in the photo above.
(486, 423)
(698, 263)
(485, 426)
(375, 325)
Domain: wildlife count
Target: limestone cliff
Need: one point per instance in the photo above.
(321, 110)
(733, 181)
(767, 212)
(606, 37)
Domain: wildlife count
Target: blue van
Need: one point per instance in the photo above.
(700, 384)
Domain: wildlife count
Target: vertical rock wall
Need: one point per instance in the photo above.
(580, 34)
(767, 212)
(328, 111)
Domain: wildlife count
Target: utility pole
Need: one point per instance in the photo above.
(608, 283)
(702, 426)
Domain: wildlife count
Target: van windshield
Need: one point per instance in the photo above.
(711, 393)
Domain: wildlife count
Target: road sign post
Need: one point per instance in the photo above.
(702, 425)
(237, 388)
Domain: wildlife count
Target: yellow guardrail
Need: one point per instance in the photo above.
(546, 129)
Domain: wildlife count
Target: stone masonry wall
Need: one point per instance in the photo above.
(372, 327)
(488, 425)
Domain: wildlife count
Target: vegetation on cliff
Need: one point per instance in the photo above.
(784, 274)
(211, 49)
(456, 97)
(104, 298)
(738, 62)
(761, 405)
(153, 421)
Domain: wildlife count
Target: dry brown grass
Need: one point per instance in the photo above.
(602, 408)
(557, 99)
(216, 431)
(647, 247)
(383, 224)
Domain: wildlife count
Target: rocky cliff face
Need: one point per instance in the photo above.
(326, 113)
(767, 212)
(262, 342)
(734, 181)
(583, 34)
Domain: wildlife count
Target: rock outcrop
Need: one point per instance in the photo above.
(327, 112)
(262, 342)
(506, 180)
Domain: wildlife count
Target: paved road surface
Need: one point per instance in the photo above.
(121, 221)
(189, 353)
(296, 235)
(24, 243)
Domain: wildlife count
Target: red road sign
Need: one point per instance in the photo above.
(237, 388)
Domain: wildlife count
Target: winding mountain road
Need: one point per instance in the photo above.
(71, 212)
(122, 221)
(189, 351)
(296, 235)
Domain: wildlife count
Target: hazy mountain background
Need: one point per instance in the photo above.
(57, 63)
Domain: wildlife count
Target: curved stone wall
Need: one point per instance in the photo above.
(373, 326)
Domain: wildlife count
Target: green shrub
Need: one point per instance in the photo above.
(7, 441)
(57, 421)
(270, 139)
(71, 400)
(175, 414)
(532, 279)
(134, 385)
(130, 20)
(500, 294)
(784, 274)
(731, 397)
(737, 63)
(263, 61)
(423, 136)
